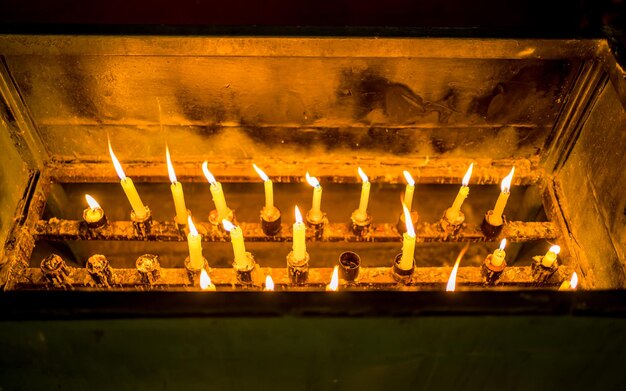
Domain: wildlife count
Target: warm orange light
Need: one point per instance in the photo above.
(192, 228)
(452, 280)
(364, 177)
(502, 244)
(93, 204)
(116, 164)
(228, 226)
(298, 215)
(334, 280)
(269, 283)
(312, 180)
(209, 177)
(170, 167)
(260, 172)
(468, 175)
(574, 281)
(205, 281)
(506, 182)
(409, 178)
(410, 230)
(555, 249)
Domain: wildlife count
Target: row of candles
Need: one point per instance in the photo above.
(243, 260)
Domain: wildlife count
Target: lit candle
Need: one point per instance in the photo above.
(334, 280)
(177, 191)
(316, 211)
(365, 193)
(269, 283)
(505, 190)
(129, 188)
(205, 281)
(269, 187)
(216, 191)
(451, 286)
(408, 192)
(453, 212)
(239, 248)
(194, 241)
(498, 256)
(299, 237)
(94, 213)
(571, 284)
(550, 257)
(408, 242)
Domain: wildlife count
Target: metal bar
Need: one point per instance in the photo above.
(61, 230)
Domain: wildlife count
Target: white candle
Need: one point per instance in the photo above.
(269, 187)
(408, 242)
(498, 256)
(408, 192)
(365, 193)
(454, 210)
(239, 248)
(129, 188)
(177, 191)
(299, 237)
(216, 191)
(550, 257)
(505, 189)
(316, 211)
(194, 242)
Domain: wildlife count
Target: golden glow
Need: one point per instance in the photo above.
(468, 175)
(502, 244)
(555, 249)
(364, 177)
(228, 226)
(205, 280)
(269, 283)
(192, 228)
(312, 180)
(298, 215)
(334, 280)
(260, 172)
(205, 169)
(93, 204)
(573, 283)
(170, 167)
(409, 178)
(409, 223)
(506, 182)
(116, 164)
(452, 280)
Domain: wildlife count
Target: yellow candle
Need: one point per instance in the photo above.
(408, 242)
(194, 241)
(571, 284)
(299, 237)
(498, 256)
(408, 192)
(239, 248)
(316, 211)
(269, 187)
(129, 188)
(454, 210)
(217, 193)
(365, 193)
(205, 281)
(95, 212)
(498, 210)
(550, 257)
(177, 191)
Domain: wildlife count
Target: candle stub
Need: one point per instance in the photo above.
(315, 214)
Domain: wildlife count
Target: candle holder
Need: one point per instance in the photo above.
(490, 272)
(401, 224)
(216, 221)
(100, 271)
(194, 274)
(270, 221)
(361, 224)
(541, 273)
(245, 275)
(316, 224)
(490, 230)
(142, 225)
(149, 268)
(349, 266)
(401, 275)
(94, 218)
(451, 223)
(55, 270)
(298, 270)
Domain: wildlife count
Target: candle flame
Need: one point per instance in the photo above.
(192, 228)
(334, 280)
(502, 244)
(409, 178)
(261, 173)
(312, 180)
(452, 280)
(93, 204)
(170, 167)
(298, 215)
(207, 173)
(116, 164)
(269, 283)
(228, 226)
(468, 175)
(205, 280)
(364, 177)
(409, 223)
(506, 182)
(555, 249)
(573, 283)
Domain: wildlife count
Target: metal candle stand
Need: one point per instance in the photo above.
(214, 219)
(400, 275)
(100, 270)
(94, 224)
(491, 231)
(360, 225)
(542, 274)
(194, 274)
(245, 275)
(270, 221)
(142, 225)
(56, 271)
(298, 270)
(316, 225)
(349, 266)
(149, 268)
(491, 272)
(401, 224)
(451, 227)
